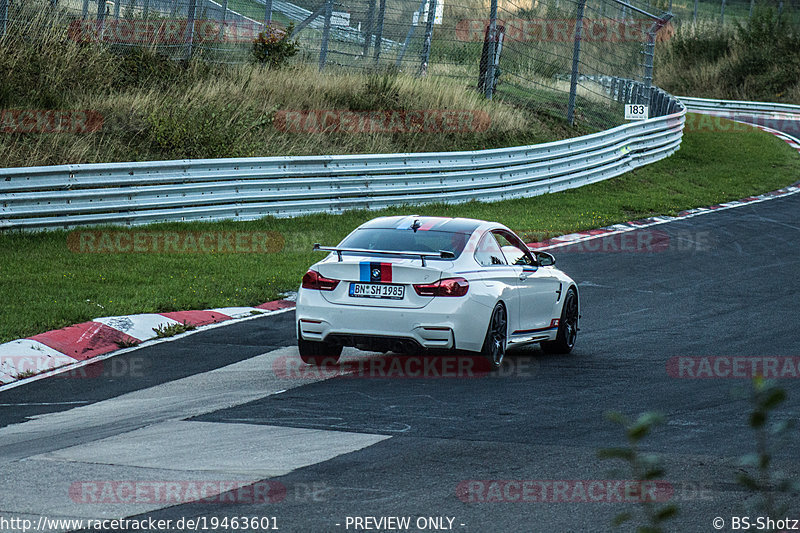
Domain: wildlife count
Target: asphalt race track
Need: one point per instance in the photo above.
(219, 406)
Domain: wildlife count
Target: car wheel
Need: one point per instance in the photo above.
(318, 353)
(494, 346)
(567, 326)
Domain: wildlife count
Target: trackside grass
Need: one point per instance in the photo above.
(44, 285)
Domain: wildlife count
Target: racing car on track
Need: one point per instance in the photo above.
(410, 283)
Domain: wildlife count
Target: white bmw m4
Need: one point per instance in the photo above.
(410, 283)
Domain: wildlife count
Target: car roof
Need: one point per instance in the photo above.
(453, 225)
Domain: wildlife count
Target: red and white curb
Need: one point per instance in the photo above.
(583, 236)
(49, 353)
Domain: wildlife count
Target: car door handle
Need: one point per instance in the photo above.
(523, 276)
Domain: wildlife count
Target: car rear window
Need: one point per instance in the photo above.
(406, 240)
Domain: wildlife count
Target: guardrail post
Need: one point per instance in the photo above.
(426, 43)
(488, 82)
(576, 52)
(379, 33)
(326, 33)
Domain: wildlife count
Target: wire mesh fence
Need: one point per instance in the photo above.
(545, 55)
(729, 12)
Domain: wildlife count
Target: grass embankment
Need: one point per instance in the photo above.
(756, 60)
(45, 285)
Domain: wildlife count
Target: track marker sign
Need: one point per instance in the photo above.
(636, 112)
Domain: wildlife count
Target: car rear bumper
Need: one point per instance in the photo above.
(445, 323)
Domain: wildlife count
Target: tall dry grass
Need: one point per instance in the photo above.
(154, 108)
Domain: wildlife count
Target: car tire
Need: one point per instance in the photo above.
(567, 326)
(496, 341)
(318, 353)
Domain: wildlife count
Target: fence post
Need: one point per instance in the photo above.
(117, 5)
(576, 52)
(326, 33)
(379, 33)
(221, 35)
(488, 83)
(3, 17)
(722, 14)
(426, 44)
(368, 28)
(189, 36)
(267, 12)
(695, 12)
(101, 15)
(410, 34)
(752, 2)
(85, 10)
(146, 9)
(649, 53)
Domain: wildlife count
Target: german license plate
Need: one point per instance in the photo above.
(377, 290)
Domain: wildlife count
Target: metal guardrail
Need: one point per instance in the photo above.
(735, 106)
(249, 188)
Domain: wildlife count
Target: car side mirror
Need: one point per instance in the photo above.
(545, 259)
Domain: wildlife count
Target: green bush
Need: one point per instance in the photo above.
(195, 130)
(274, 47)
(758, 59)
(692, 49)
(767, 56)
(143, 66)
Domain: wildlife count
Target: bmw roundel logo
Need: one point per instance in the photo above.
(376, 272)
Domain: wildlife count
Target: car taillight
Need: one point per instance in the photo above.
(444, 287)
(313, 280)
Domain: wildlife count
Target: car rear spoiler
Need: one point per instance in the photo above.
(441, 254)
